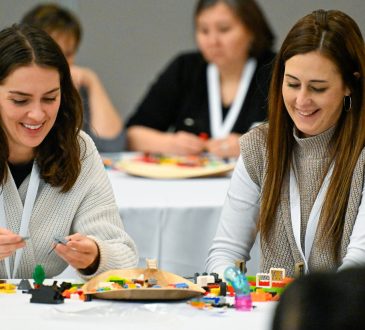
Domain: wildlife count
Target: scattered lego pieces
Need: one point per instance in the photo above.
(118, 283)
(7, 288)
(185, 161)
(263, 287)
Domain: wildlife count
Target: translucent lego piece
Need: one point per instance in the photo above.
(241, 287)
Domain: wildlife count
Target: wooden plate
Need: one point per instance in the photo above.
(163, 279)
(162, 171)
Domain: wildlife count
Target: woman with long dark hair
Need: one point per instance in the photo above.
(53, 183)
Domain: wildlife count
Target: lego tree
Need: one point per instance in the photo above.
(38, 275)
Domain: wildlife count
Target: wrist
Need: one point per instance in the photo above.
(93, 267)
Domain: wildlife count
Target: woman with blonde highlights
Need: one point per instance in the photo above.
(300, 178)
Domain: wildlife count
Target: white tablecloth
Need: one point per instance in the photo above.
(17, 313)
(172, 220)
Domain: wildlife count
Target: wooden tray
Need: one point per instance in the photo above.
(162, 171)
(163, 278)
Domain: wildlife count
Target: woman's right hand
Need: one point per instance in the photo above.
(9, 243)
(184, 143)
(146, 139)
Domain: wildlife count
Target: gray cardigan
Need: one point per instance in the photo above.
(89, 208)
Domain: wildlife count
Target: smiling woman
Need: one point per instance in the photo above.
(29, 111)
(101, 120)
(46, 163)
(313, 92)
(300, 180)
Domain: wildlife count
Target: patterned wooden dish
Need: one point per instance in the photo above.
(163, 279)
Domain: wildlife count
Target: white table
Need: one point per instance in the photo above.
(172, 220)
(17, 313)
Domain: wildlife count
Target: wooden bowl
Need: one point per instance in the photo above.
(163, 279)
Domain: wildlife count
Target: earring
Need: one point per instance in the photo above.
(347, 103)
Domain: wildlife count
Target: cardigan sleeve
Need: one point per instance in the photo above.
(236, 231)
(98, 216)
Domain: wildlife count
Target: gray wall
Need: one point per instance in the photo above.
(127, 42)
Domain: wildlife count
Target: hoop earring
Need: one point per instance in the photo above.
(347, 103)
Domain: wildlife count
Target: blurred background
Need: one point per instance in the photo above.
(128, 42)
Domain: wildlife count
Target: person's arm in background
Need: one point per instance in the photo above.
(148, 127)
(236, 231)
(105, 120)
(151, 140)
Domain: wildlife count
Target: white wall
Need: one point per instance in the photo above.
(129, 41)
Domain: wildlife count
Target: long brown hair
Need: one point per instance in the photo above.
(334, 35)
(58, 156)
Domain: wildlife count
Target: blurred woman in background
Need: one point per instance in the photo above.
(203, 101)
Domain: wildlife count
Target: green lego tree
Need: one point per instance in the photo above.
(38, 275)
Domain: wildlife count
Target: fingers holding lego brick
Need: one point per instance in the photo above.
(79, 251)
(9, 243)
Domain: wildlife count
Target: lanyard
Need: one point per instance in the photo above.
(218, 127)
(313, 216)
(27, 212)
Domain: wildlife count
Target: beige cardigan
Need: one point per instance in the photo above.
(89, 208)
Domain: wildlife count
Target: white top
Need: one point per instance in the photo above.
(237, 228)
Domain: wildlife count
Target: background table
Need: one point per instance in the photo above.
(17, 313)
(172, 220)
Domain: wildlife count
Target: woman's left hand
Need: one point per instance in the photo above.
(80, 251)
(225, 148)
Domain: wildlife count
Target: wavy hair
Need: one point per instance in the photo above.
(58, 156)
(336, 36)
